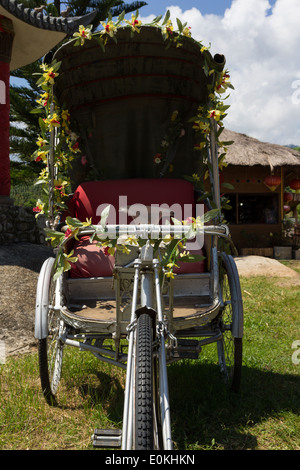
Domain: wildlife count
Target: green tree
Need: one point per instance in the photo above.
(24, 125)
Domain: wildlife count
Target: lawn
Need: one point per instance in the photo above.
(265, 414)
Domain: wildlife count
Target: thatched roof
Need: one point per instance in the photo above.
(247, 151)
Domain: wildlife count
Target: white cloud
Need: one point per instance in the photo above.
(262, 49)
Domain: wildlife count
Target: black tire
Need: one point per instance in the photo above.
(230, 348)
(144, 436)
(50, 352)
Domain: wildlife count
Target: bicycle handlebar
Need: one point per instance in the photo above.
(155, 231)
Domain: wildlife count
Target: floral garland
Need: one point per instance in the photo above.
(55, 125)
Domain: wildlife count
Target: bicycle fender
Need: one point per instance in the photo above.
(42, 300)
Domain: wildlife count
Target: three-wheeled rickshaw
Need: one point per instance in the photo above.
(144, 273)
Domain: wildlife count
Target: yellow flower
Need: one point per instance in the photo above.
(204, 127)
(41, 155)
(187, 31)
(83, 34)
(170, 267)
(109, 28)
(125, 249)
(43, 99)
(88, 222)
(52, 121)
(131, 240)
(69, 259)
(39, 208)
(174, 115)
(134, 23)
(223, 82)
(168, 30)
(65, 114)
(195, 177)
(50, 75)
(41, 142)
(215, 113)
(200, 146)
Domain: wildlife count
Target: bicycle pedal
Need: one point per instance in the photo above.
(188, 344)
(187, 348)
(107, 438)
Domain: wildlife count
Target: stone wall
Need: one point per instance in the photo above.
(19, 224)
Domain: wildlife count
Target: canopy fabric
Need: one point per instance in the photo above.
(122, 100)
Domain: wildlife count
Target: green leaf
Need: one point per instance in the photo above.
(156, 19)
(191, 258)
(55, 65)
(104, 215)
(100, 42)
(40, 81)
(210, 215)
(167, 17)
(121, 17)
(37, 111)
(228, 142)
(73, 222)
(227, 185)
(58, 272)
(180, 27)
(176, 222)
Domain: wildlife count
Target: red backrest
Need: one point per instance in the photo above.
(90, 197)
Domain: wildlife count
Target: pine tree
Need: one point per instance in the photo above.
(24, 125)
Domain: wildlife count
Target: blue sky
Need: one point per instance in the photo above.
(261, 42)
(216, 7)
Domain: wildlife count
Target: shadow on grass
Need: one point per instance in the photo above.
(108, 393)
(203, 409)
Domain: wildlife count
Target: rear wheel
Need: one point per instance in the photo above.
(50, 349)
(230, 347)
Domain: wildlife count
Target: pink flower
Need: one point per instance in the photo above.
(105, 250)
(83, 160)
(157, 158)
(68, 232)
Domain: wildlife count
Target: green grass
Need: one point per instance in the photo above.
(265, 414)
(293, 264)
(26, 194)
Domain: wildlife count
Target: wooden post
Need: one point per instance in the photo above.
(6, 41)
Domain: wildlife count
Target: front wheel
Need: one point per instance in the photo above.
(144, 419)
(230, 322)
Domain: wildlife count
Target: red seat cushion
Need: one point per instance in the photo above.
(90, 198)
(92, 260)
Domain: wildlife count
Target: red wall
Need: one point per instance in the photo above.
(4, 131)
